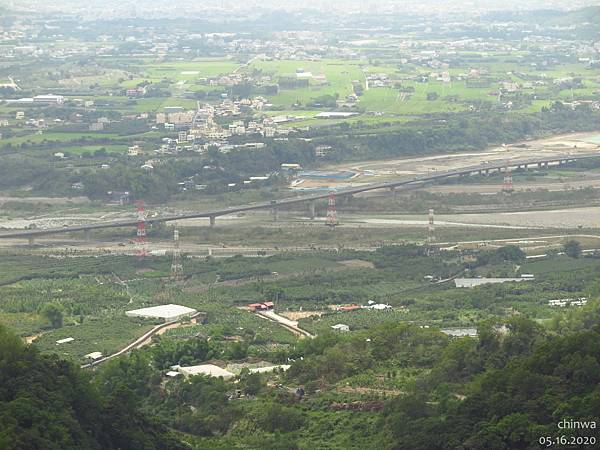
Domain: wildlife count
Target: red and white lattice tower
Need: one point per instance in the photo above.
(332, 219)
(507, 185)
(176, 266)
(140, 239)
(430, 229)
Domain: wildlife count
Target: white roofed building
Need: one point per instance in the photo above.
(166, 312)
(49, 98)
(205, 369)
(474, 282)
(94, 356)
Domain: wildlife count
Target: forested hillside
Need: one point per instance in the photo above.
(48, 403)
(503, 391)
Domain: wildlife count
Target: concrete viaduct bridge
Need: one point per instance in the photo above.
(310, 199)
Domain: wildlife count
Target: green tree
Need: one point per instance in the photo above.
(53, 313)
(281, 418)
(572, 249)
(510, 253)
(252, 384)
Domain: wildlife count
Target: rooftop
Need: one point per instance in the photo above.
(472, 282)
(205, 369)
(163, 312)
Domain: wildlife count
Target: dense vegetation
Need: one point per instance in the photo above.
(389, 383)
(503, 390)
(48, 403)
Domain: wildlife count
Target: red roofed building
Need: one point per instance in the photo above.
(349, 308)
(261, 306)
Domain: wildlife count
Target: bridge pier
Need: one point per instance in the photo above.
(212, 220)
(30, 240)
(87, 235)
(311, 209)
(394, 192)
(275, 212)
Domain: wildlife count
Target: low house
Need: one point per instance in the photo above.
(265, 306)
(340, 327)
(379, 306)
(94, 356)
(268, 369)
(349, 308)
(460, 332)
(173, 374)
(206, 369)
(256, 307)
(291, 166)
(473, 282)
(119, 197)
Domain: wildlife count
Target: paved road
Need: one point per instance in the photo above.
(291, 325)
(405, 182)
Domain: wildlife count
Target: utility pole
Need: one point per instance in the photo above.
(176, 266)
(332, 219)
(430, 229)
(140, 239)
(507, 185)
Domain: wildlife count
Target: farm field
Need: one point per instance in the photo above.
(412, 99)
(188, 70)
(95, 319)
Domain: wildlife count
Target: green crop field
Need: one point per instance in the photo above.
(339, 74)
(183, 70)
(106, 334)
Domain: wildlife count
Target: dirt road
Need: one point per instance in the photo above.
(291, 325)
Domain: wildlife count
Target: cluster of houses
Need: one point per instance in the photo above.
(264, 306)
(565, 302)
(370, 305)
(198, 129)
(378, 79)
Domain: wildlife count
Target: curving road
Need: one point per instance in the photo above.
(274, 204)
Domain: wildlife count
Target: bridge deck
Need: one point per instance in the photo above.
(415, 181)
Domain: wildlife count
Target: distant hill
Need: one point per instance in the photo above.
(580, 17)
(589, 15)
(582, 23)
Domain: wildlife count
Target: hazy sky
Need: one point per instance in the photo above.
(141, 7)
